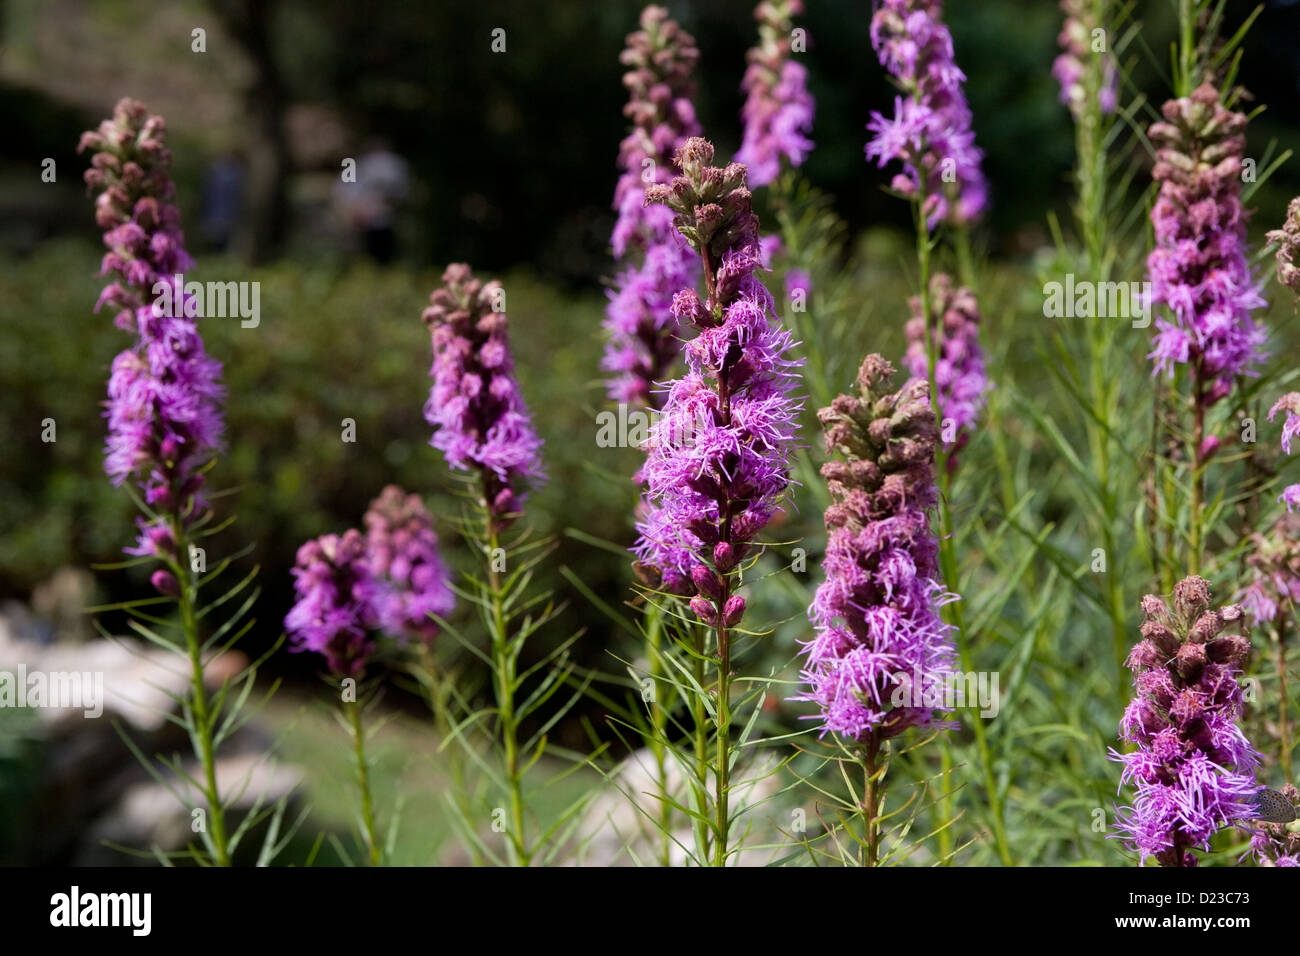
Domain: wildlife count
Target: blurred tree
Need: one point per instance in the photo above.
(249, 24)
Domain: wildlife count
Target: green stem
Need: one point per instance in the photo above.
(504, 661)
(1198, 471)
(363, 780)
(723, 774)
(442, 725)
(872, 794)
(658, 720)
(1283, 715)
(199, 693)
(947, 555)
(701, 727)
(1186, 48)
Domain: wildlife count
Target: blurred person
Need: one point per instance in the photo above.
(369, 205)
(223, 199)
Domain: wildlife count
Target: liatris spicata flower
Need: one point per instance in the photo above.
(164, 396)
(778, 110)
(719, 459)
(1275, 560)
(1193, 769)
(338, 601)
(798, 283)
(642, 331)
(1275, 557)
(882, 656)
(1289, 403)
(402, 550)
(930, 132)
(1070, 68)
(475, 406)
(1288, 247)
(1198, 267)
(959, 377)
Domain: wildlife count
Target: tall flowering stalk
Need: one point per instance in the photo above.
(1288, 247)
(930, 134)
(883, 655)
(719, 463)
(642, 331)
(1270, 599)
(402, 549)
(959, 361)
(1193, 769)
(336, 610)
(643, 334)
(1274, 560)
(1088, 72)
(352, 587)
(482, 426)
(164, 396)
(1198, 268)
(778, 110)
(480, 421)
(1289, 403)
(1077, 39)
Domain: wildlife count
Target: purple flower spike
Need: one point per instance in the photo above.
(882, 656)
(778, 110)
(930, 132)
(959, 361)
(475, 406)
(1198, 268)
(1070, 68)
(164, 394)
(402, 550)
(1193, 770)
(642, 331)
(1288, 247)
(1289, 403)
(337, 603)
(718, 461)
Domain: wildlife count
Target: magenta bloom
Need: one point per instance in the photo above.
(1198, 268)
(719, 458)
(1288, 247)
(1289, 403)
(1194, 769)
(1274, 559)
(164, 395)
(778, 110)
(402, 551)
(930, 132)
(1070, 67)
(337, 603)
(798, 282)
(882, 657)
(478, 414)
(959, 377)
(642, 331)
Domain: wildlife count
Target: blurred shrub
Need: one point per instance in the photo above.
(332, 344)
